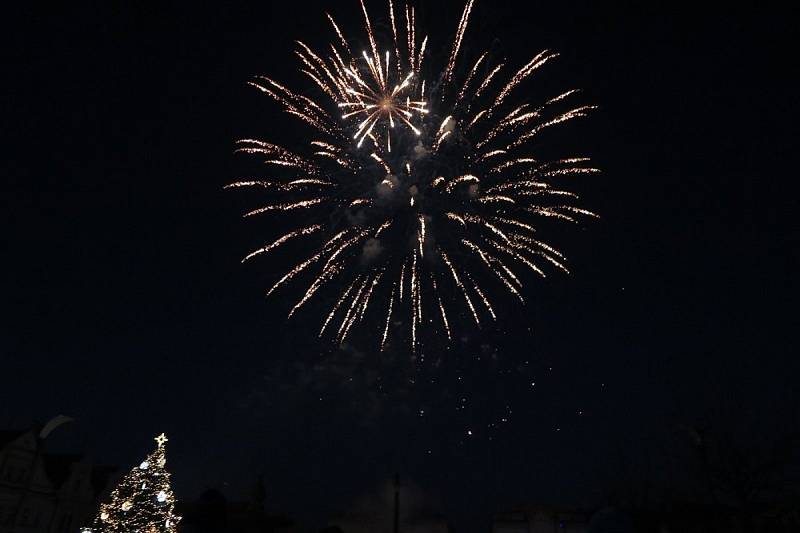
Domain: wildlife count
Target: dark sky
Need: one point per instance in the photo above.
(126, 307)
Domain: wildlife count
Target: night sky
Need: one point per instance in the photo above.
(126, 307)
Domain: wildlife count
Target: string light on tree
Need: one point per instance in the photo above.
(143, 501)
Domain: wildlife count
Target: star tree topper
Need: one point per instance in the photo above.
(161, 440)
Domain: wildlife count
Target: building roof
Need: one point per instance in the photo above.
(59, 466)
(8, 436)
(101, 475)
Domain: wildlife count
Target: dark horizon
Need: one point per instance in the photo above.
(127, 307)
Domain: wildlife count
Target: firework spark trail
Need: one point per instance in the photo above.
(406, 190)
(469, 178)
(411, 33)
(369, 32)
(421, 236)
(314, 73)
(339, 33)
(462, 28)
(308, 262)
(402, 280)
(517, 223)
(388, 319)
(351, 311)
(326, 275)
(382, 163)
(522, 74)
(467, 82)
(286, 207)
(336, 307)
(394, 37)
(383, 228)
(414, 302)
(369, 295)
(457, 218)
(514, 162)
(347, 244)
(485, 223)
(441, 310)
(569, 115)
(442, 134)
(420, 57)
(461, 286)
(483, 298)
(483, 86)
(283, 187)
(494, 199)
(277, 154)
(518, 256)
(497, 267)
(305, 231)
(306, 114)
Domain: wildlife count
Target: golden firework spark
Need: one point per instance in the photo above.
(426, 207)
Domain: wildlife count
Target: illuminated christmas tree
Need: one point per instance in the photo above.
(143, 501)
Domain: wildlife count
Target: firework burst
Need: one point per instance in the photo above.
(421, 215)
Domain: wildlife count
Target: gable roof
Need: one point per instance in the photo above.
(101, 475)
(59, 466)
(8, 436)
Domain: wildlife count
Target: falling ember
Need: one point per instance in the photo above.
(421, 208)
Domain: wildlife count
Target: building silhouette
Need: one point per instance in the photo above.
(44, 492)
